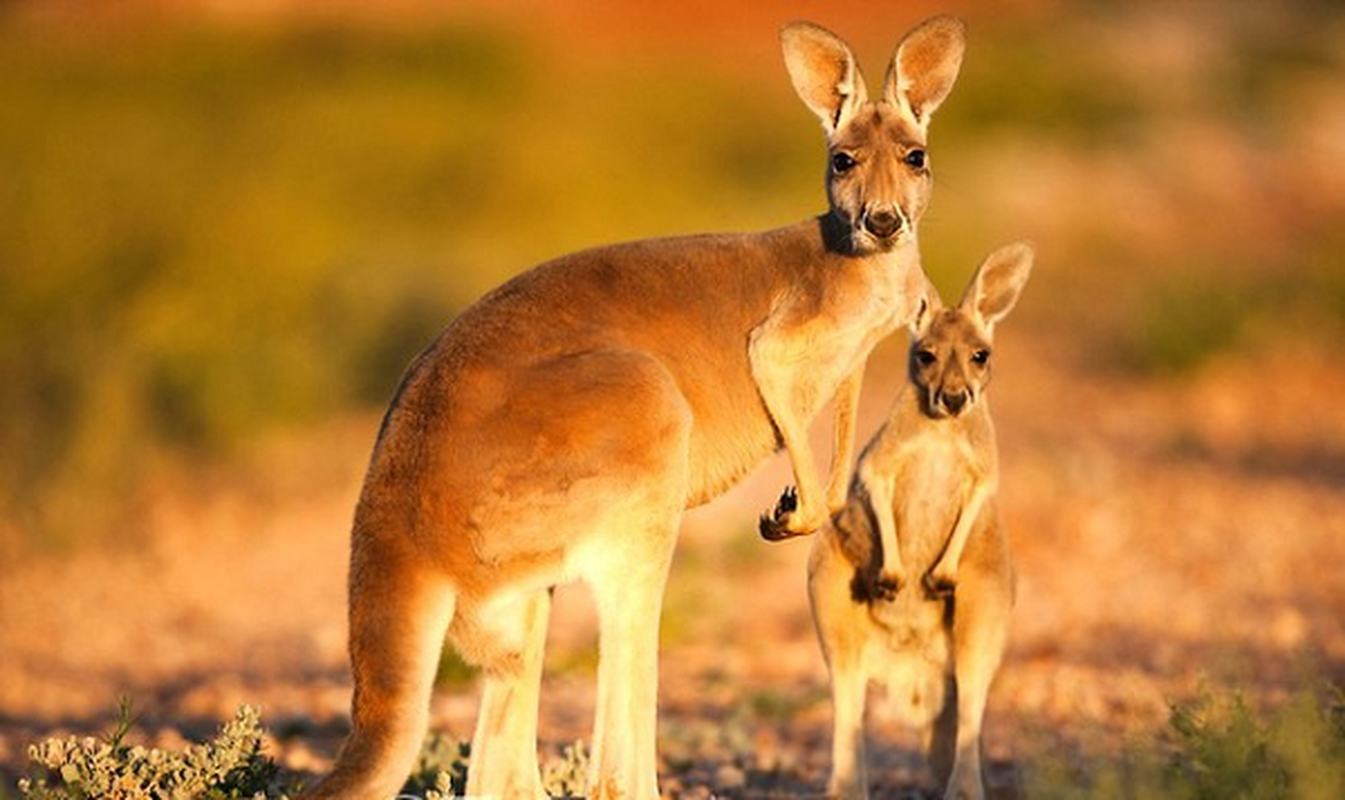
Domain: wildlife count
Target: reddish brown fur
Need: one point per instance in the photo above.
(558, 428)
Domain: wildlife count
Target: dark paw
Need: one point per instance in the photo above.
(868, 587)
(939, 588)
(885, 588)
(772, 526)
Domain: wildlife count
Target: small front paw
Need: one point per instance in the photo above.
(774, 526)
(886, 586)
(869, 587)
(940, 585)
(788, 520)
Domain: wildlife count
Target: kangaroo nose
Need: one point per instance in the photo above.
(882, 222)
(955, 401)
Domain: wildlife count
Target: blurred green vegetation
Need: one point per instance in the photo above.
(1217, 746)
(211, 232)
(206, 233)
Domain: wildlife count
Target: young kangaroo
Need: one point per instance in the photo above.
(911, 584)
(560, 426)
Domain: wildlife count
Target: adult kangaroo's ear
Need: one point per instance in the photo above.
(998, 282)
(824, 72)
(925, 67)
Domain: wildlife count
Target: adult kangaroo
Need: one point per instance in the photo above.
(559, 427)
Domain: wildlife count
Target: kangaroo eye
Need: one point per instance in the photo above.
(981, 357)
(925, 358)
(915, 159)
(842, 163)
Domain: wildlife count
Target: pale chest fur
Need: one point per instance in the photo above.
(820, 335)
(933, 468)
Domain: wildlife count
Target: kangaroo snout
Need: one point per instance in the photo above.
(955, 402)
(883, 222)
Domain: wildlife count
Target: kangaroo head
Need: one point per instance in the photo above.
(878, 175)
(951, 347)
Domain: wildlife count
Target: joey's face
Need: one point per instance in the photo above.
(950, 364)
(878, 178)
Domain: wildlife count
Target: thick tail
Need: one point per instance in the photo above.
(398, 617)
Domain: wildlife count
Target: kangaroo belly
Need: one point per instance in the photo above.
(908, 656)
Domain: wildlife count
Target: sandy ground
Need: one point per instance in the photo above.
(1166, 534)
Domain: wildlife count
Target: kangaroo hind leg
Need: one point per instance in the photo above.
(980, 631)
(504, 747)
(628, 593)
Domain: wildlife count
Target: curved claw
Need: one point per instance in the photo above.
(773, 526)
(772, 531)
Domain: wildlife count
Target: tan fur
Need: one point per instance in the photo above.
(559, 427)
(911, 584)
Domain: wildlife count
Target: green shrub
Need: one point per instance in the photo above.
(1223, 750)
(441, 768)
(1216, 747)
(231, 765)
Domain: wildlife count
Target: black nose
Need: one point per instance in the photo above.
(955, 401)
(882, 222)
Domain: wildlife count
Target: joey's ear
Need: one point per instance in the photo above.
(998, 282)
(927, 306)
(925, 67)
(824, 73)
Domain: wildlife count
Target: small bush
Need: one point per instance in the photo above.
(567, 776)
(1218, 747)
(1225, 751)
(441, 768)
(231, 765)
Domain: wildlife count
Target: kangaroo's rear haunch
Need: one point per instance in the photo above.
(911, 584)
(560, 426)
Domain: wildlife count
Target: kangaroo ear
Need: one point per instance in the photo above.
(824, 73)
(925, 67)
(927, 307)
(998, 282)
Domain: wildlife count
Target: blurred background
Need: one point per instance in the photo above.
(225, 229)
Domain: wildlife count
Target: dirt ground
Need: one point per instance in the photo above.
(1166, 533)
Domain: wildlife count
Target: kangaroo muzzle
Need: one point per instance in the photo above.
(883, 222)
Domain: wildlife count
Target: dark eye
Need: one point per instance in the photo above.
(925, 358)
(981, 357)
(842, 163)
(915, 159)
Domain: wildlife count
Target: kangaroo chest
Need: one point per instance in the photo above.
(935, 477)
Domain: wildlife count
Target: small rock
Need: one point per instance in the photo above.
(730, 776)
